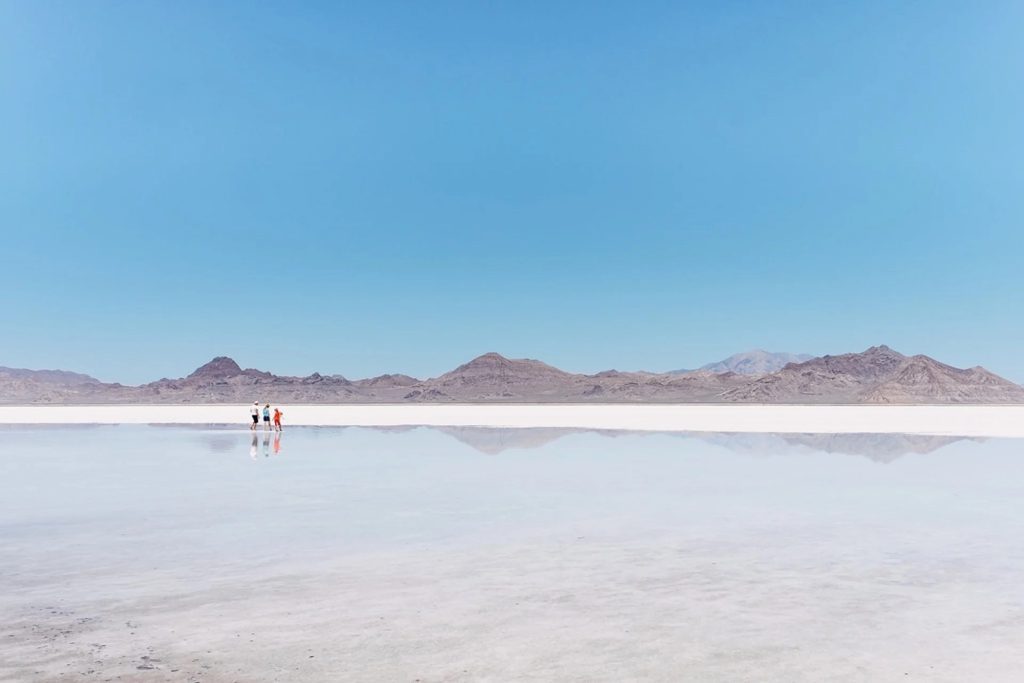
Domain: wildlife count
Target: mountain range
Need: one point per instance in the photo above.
(878, 375)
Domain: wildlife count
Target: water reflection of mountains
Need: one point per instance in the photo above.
(882, 448)
(878, 447)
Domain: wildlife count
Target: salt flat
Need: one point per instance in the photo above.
(175, 553)
(973, 420)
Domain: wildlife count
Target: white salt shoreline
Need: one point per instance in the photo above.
(951, 420)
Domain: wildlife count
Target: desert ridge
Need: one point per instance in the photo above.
(878, 375)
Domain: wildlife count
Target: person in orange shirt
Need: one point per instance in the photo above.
(277, 419)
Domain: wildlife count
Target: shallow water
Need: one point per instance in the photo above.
(178, 553)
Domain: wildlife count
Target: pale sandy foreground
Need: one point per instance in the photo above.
(993, 421)
(156, 554)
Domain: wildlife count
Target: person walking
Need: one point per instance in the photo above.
(277, 419)
(266, 418)
(255, 412)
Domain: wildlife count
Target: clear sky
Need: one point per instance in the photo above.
(397, 187)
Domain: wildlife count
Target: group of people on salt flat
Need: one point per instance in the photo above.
(254, 411)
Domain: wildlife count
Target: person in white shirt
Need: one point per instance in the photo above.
(255, 412)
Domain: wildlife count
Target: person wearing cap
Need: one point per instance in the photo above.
(255, 412)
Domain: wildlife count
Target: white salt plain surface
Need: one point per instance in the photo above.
(140, 553)
(960, 420)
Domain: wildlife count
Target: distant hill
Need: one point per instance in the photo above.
(56, 377)
(877, 375)
(494, 376)
(756, 362)
(18, 385)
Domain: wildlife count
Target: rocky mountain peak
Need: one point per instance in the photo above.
(489, 358)
(882, 350)
(493, 368)
(221, 366)
(488, 362)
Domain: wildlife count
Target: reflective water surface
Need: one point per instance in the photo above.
(325, 554)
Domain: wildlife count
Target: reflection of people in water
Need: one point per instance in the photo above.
(266, 445)
(277, 443)
(254, 448)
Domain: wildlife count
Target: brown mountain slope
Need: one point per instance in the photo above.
(493, 369)
(877, 375)
(642, 387)
(494, 377)
(388, 381)
(829, 378)
(921, 379)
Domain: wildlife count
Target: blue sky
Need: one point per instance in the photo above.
(371, 187)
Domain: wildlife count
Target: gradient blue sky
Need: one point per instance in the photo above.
(371, 187)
